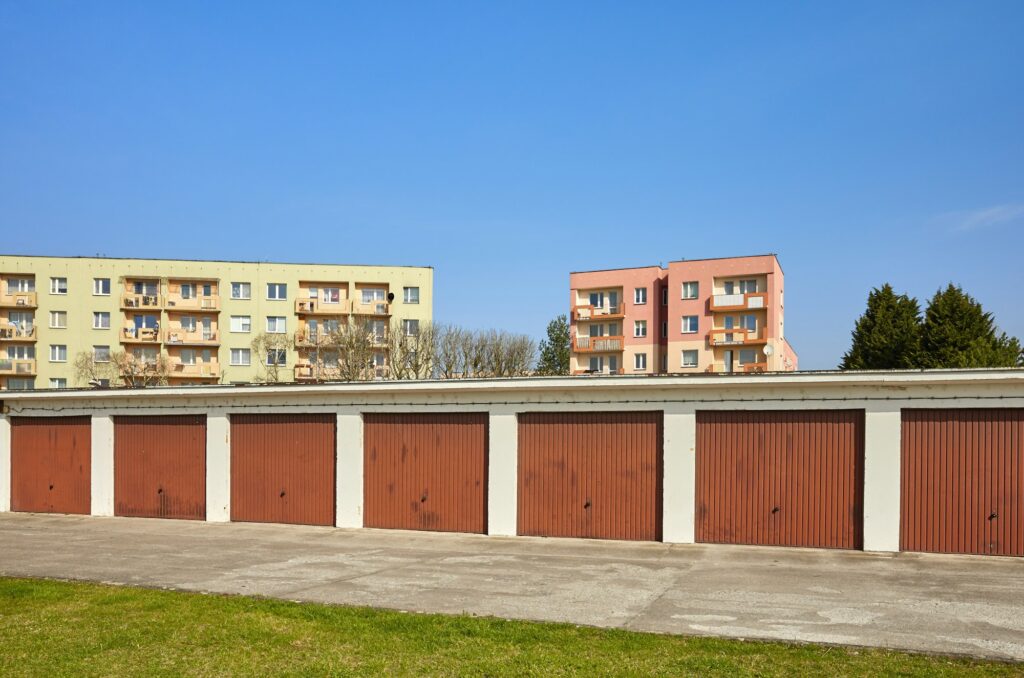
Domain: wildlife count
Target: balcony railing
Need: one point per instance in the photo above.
(203, 370)
(587, 312)
(320, 307)
(141, 301)
(738, 369)
(597, 344)
(180, 303)
(739, 302)
(14, 333)
(195, 337)
(19, 300)
(17, 366)
(374, 308)
(606, 370)
(736, 337)
(140, 335)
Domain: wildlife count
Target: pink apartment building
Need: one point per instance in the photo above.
(701, 315)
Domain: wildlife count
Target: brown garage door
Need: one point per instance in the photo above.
(963, 481)
(160, 467)
(781, 478)
(51, 464)
(425, 471)
(594, 474)
(282, 468)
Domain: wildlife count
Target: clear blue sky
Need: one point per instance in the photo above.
(508, 144)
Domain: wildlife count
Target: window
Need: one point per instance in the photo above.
(188, 290)
(411, 295)
(410, 327)
(664, 296)
(241, 323)
(101, 354)
(331, 295)
(277, 291)
(748, 286)
(640, 361)
(58, 319)
(277, 356)
(747, 356)
(664, 362)
(100, 320)
(240, 356)
(188, 323)
(691, 290)
(639, 328)
(58, 353)
(20, 384)
(276, 324)
(58, 383)
(370, 295)
(640, 295)
(689, 324)
(690, 358)
(749, 322)
(146, 287)
(21, 352)
(664, 329)
(21, 285)
(101, 287)
(145, 354)
(241, 290)
(58, 285)
(188, 356)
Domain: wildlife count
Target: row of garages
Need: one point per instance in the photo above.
(786, 478)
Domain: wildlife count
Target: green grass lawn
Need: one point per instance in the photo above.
(56, 628)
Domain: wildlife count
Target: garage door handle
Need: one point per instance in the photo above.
(423, 498)
(160, 490)
(993, 515)
(282, 493)
(587, 504)
(775, 509)
(51, 487)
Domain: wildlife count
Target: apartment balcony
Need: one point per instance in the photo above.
(181, 337)
(588, 313)
(179, 303)
(597, 344)
(18, 300)
(749, 368)
(197, 370)
(17, 368)
(748, 301)
(141, 301)
(13, 333)
(377, 308)
(736, 337)
(606, 370)
(140, 335)
(319, 307)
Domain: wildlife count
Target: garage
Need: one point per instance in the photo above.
(590, 474)
(780, 478)
(962, 477)
(283, 468)
(160, 467)
(51, 464)
(425, 471)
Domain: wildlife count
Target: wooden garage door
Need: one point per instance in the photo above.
(282, 468)
(160, 467)
(425, 471)
(51, 464)
(781, 478)
(590, 475)
(963, 481)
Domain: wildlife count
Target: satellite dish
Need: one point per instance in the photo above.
(768, 349)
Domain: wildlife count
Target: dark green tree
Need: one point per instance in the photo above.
(888, 335)
(957, 332)
(554, 351)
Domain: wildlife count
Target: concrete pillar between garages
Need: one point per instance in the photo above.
(218, 467)
(882, 430)
(5, 464)
(679, 483)
(349, 469)
(102, 472)
(502, 472)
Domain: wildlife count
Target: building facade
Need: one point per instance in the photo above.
(201, 316)
(702, 315)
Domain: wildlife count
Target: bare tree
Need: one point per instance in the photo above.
(450, 356)
(267, 345)
(412, 350)
(356, 344)
(88, 371)
(321, 354)
(139, 371)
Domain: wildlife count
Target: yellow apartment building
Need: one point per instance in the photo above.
(201, 315)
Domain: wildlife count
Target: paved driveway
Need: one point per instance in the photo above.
(934, 603)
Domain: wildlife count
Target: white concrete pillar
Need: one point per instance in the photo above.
(5, 464)
(502, 472)
(218, 467)
(102, 470)
(349, 470)
(679, 482)
(882, 429)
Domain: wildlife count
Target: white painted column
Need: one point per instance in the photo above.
(348, 474)
(502, 472)
(882, 429)
(102, 470)
(218, 467)
(679, 482)
(5, 464)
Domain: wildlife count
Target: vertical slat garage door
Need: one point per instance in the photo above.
(160, 467)
(790, 478)
(425, 471)
(51, 464)
(594, 474)
(282, 468)
(963, 481)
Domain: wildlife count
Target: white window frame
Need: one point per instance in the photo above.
(413, 325)
(58, 382)
(277, 352)
(411, 295)
(97, 290)
(55, 285)
(283, 324)
(696, 358)
(54, 325)
(97, 317)
(244, 324)
(639, 329)
(244, 357)
(326, 294)
(639, 296)
(55, 353)
(95, 357)
(695, 294)
(696, 324)
(280, 291)
(244, 290)
(639, 361)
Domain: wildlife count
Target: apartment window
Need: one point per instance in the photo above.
(188, 323)
(664, 296)
(640, 295)
(58, 285)
(410, 327)
(100, 320)
(58, 353)
(58, 383)
(21, 352)
(689, 324)
(276, 324)
(640, 361)
(101, 287)
(664, 362)
(370, 295)
(411, 295)
(664, 329)
(240, 356)
(690, 358)
(749, 322)
(331, 295)
(58, 319)
(241, 290)
(747, 356)
(20, 384)
(101, 354)
(748, 286)
(21, 285)
(639, 328)
(241, 323)
(188, 356)
(277, 356)
(146, 287)
(188, 290)
(691, 290)
(277, 291)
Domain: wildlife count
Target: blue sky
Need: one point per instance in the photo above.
(507, 144)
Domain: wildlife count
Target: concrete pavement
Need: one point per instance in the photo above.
(933, 603)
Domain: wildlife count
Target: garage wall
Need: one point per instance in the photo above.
(962, 488)
(51, 464)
